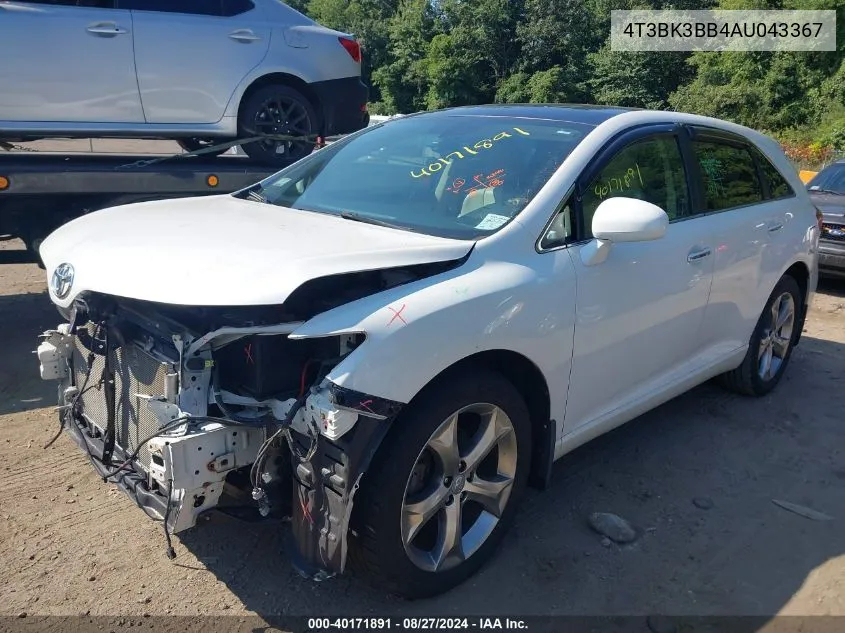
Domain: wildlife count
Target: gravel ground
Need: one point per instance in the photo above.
(697, 479)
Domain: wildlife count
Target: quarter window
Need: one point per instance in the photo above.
(729, 175)
(776, 183)
(651, 169)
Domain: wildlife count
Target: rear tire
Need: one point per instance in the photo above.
(770, 348)
(415, 469)
(277, 109)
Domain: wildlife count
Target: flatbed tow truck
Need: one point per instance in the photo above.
(40, 191)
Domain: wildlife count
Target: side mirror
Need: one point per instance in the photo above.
(623, 220)
(629, 220)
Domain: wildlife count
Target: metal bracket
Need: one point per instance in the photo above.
(165, 411)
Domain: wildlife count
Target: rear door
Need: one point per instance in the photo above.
(639, 312)
(192, 54)
(750, 233)
(67, 63)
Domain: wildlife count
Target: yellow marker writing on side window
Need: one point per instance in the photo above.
(626, 180)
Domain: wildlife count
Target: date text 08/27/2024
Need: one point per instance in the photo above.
(414, 624)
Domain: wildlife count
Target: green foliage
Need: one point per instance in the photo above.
(658, 75)
(544, 86)
(299, 5)
(403, 80)
(422, 54)
(362, 18)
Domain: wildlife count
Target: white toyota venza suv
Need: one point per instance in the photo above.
(388, 340)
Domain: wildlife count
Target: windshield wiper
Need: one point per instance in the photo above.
(254, 194)
(835, 193)
(355, 217)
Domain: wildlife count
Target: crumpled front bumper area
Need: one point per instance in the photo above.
(120, 402)
(132, 482)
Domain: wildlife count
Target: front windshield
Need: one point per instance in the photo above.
(831, 180)
(444, 174)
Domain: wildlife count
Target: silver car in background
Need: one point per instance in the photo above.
(198, 71)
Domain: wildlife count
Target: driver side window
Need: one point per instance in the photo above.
(650, 169)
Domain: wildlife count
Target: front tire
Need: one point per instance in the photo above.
(771, 344)
(282, 110)
(444, 487)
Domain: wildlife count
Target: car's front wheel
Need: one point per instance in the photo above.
(771, 344)
(444, 487)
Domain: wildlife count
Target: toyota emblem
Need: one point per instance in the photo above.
(62, 280)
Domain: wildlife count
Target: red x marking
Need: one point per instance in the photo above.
(304, 505)
(248, 352)
(365, 404)
(397, 315)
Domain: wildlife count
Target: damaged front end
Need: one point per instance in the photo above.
(192, 408)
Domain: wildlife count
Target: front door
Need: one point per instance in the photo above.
(639, 312)
(192, 54)
(67, 63)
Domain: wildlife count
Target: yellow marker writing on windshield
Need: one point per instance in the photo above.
(481, 145)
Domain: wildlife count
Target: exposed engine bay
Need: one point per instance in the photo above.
(193, 408)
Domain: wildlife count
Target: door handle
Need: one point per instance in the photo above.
(695, 256)
(244, 35)
(775, 227)
(106, 28)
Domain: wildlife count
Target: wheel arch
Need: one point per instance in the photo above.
(532, 385)
(284, 79)
(800, 272)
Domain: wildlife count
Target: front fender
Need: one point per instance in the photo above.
(413, 333)
(416, 331)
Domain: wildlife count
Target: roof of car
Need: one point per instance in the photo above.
(587, 114)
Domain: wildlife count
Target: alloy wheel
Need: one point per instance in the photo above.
(776, 340)
(459, 487)
(283, 116)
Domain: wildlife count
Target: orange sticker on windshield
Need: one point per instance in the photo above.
(479, 181)
(480, 146)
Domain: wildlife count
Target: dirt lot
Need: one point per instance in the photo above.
(72, 544)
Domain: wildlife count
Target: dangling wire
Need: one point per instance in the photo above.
(171, 553)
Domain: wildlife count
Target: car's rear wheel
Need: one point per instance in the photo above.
(278, 110)
(771, 344)
(445, 485)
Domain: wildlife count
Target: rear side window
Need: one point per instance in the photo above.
(729, 174)
(90, 4)
(217, 8)
(236, 7)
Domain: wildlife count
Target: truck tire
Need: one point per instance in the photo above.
(771, 344)
(444, 487)
(277, 109)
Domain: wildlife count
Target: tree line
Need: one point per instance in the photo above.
(427, 54)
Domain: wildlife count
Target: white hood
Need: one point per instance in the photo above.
(221, 250)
